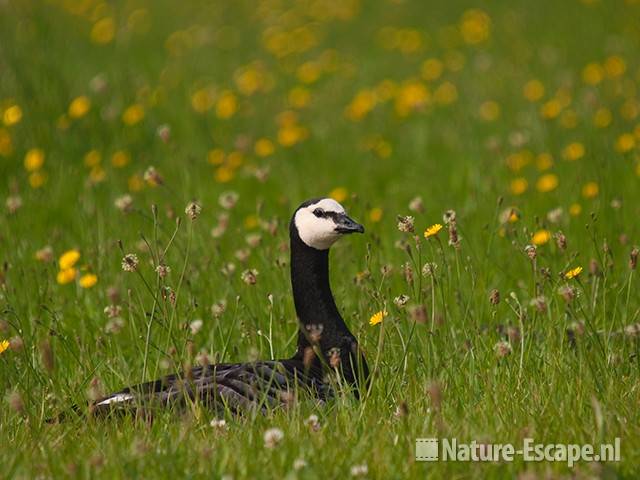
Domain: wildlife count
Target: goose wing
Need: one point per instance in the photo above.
(237, 387)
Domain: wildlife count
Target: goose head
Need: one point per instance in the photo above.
(322, 222)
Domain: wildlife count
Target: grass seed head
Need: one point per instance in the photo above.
(130, 262)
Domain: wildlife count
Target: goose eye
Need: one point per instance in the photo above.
(318, 212)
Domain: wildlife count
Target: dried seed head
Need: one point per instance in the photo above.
(513, 334)
(164, 132)
(429, 269)
(418, 313)
(594, 268)
(416, 205)
(502, 348)
(407, 270)
(561, 241)
(299, 464)
(124, 203)
(434, 391)
(13, 204)
(45, 254)
(228, 200)
(555, 215)
(567, 292)
(46, 355)
(633, 258)
(152, 177)
(401, 300)
(250, 277)
(405, 224)
(494, 297)
(632, 330)
(14, 399)
(272, 437)
(195, 326)
(163, 270)
(539, 303)
(454, 239)
(192, 210)
(449, 217)
(313, 422)
(531, 251)
(218, 308)
(112, 311)
(130, 262)
(114, 325)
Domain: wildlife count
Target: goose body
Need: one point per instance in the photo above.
(327, 352)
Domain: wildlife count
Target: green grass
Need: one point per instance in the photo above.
(444, 368)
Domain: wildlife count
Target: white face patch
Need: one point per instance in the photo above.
(316, 232)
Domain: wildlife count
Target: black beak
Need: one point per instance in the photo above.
(344, 224)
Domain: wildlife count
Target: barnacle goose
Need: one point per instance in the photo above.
(326, 348)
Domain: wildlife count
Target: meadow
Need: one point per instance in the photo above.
(491, 150)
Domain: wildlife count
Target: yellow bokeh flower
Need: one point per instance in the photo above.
(216, 156)
(68, 259)
(551, 109)
(625, 143)
(92, 158)
(264, 147)
(299, 97)
(614, 66)
(575, 209)
(363, 103)
(66, 276)
(135, 183)
(489, 111)
(413, 95)
(79, 106)
(590, 190)
(602, 118)
(12, 115)
(541, 237)
(250, 222)
(4, 345)
(431, 69)
(573, 151)
(224, 174)
(226, 105)
(573, 273)
(533, 90)
(592, 74)
(88, 280)
(339, 194)
(133, 114)
(33, 160)
(290, 134)
(518, 186)
(475, 26)
(37, 179)
(6, 145)
(120, 159)
(103, 31)
(445, 94)
(375, 214)
(377, 317)
(544, 161)
(547, 183)
(432, 230)
(308, 72)
(202, 100)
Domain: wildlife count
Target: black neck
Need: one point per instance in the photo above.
(320, 320)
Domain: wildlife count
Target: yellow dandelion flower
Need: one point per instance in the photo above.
(625, 143)
(432, 68)
(363, 103)
(4, 345)
(573, 273)
(226, 105)
(251, 222)
(339, 194)
(68, 259)
(92, 158)
(590, 190)
(551, 109)
(475, 26)
(216, 156)
(518, 186)
(573, 151)
(308, 72)
(592, 74)
(544, 161)
(224, 174)
(413, 95)
(33, 160)
(377, 317)
(290, 134)
(264, 147)
(533, 90)
(299, 97)
(103, 31)
(135, 183)
(97, 174)
(120, 159)
(489, 111)
(235, 160)
(575, 209)
(202, 100)
(375, 214)
(66, 276)
(602, 118)
(547, 183)
(12, 115)
(432, 230)
(88, 280)
(133, 114)
(615, 66)
(445, 94)
(541, 237)
(37, 179)
(79, 106)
